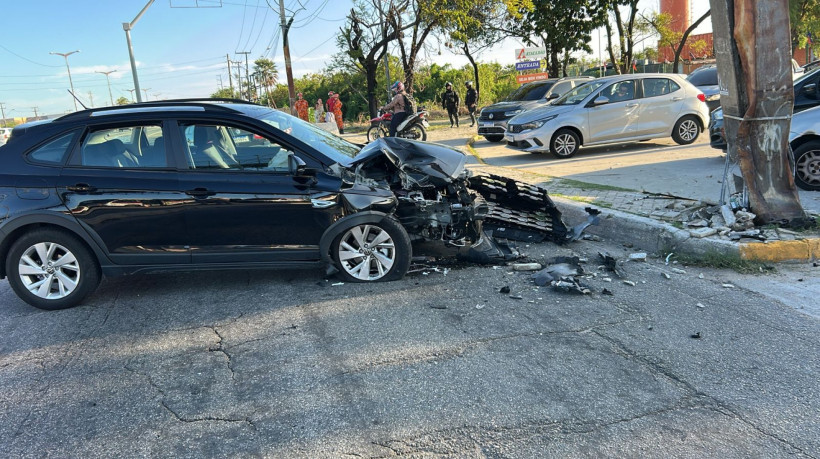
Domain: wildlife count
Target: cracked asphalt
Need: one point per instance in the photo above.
(285, 364)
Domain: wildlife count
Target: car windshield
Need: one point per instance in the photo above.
(705, 77)
(332, 146)
(530, 92)
(578, 94)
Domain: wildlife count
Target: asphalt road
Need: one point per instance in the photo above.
(286, 364)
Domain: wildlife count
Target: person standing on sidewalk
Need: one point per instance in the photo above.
(470, 100)
(450, 100)
(319, 111)
(301, 106)
(337, 112)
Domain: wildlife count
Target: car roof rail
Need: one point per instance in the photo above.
(202, 102)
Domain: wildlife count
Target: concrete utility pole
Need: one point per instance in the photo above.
(3, 112)
(110, 96)
(35, 112)
(127, 26)
(247, 73)
(286, 52)
(752, 45)
(238, 65)
(230, 78)
(68, 69)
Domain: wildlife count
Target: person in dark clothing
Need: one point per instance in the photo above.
(470, 100)
(398, 106)
(450, 100)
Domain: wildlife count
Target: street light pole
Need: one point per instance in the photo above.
(146, 94)
(127, 26)
(109, 83)
(71, 83)
(132, 94)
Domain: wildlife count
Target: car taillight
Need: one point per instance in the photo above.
(701, 97)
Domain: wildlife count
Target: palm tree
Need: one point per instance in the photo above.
(269, 75)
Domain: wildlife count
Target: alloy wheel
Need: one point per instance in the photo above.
(366, 252)
(688, 130)
(565, 145)
(807, 167)
(48, 270)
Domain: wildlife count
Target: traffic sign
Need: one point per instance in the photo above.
(530, 53)
(521, 79)
(527, 65)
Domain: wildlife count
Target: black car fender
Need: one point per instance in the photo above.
(56, 219)
(345, 224)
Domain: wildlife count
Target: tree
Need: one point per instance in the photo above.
(268, 74)
(668, 36)
(122, 101)
(364, 44)
(224, 93)
(804, 16)
(561, 26)
(483, 28)
(628, 27)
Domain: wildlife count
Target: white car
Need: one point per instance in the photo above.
(4, 135)
(804, 138)
(614, 109)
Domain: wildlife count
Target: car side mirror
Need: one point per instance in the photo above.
(600, 100)
(296, 166)
(553, 96)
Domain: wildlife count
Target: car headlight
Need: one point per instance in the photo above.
(513, 112)
(713, 97)
(717, 115)
(537, 123)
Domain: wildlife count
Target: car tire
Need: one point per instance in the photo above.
(807, 166)
(51, 269)
(353, 252)
(686, 130)
(564, 143)
(376, 132)
(494, 138)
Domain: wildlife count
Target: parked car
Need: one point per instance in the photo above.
(165, 186)
(706, 79)
(806, 96)
(492, 121)
(804, 139)
(614, 109)
(4, 135)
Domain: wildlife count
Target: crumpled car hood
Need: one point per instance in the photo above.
(440, 163)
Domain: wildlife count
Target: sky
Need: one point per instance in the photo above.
(181, 46)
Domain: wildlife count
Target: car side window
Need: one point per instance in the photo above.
(221, 147)
(653, 87)
(54, 152)
(560, 88)
(620, 91)
(131, 147)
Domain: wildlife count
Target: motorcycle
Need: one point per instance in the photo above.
(414, 127)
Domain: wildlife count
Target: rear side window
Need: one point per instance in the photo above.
(55, 151)
(132, 147)
(653, 87)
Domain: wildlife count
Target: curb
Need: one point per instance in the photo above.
(656, 236)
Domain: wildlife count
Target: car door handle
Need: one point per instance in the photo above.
(200, 192)
(82, 188)
(632, 105)
(675, 99)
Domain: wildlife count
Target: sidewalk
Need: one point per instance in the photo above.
(648, 221)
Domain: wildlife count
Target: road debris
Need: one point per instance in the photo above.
(505, 289)
(526, 266)
(732, 286)
(678, 271)
(607, 291)
(630, 283)
(571, 285)
(666, 275)
(700, 305)
(479, 306)
(639, 256)
(336, 284)
(611, 263)
(695, 336)
(517, 297)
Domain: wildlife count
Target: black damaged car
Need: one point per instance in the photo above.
(186, 185)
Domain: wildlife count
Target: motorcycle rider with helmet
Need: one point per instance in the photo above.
(398, 106)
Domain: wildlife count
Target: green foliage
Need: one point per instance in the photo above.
(122, 101)
(224, 93)
(804, 16)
